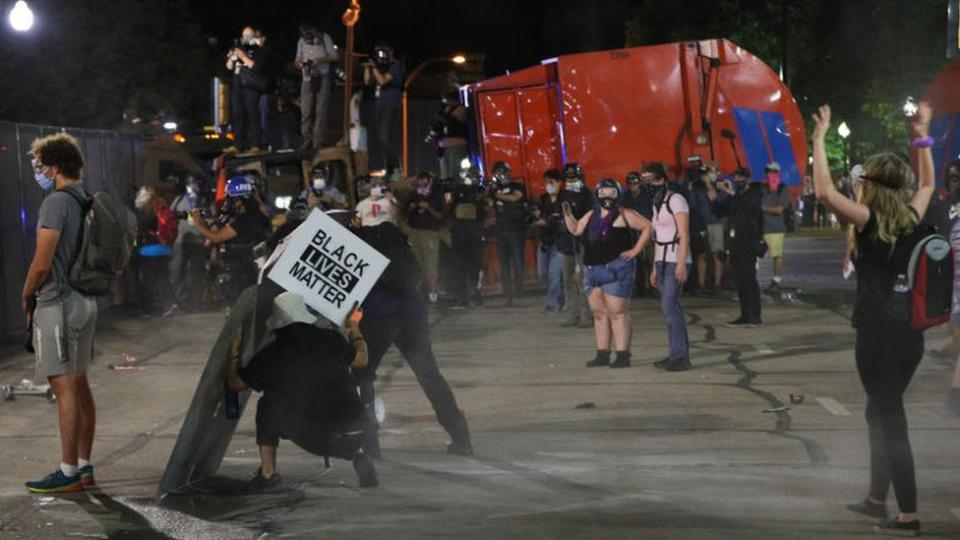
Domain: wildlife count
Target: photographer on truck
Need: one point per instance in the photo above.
(387, 74)
(249, 82)
(315, 53)
(449, 133)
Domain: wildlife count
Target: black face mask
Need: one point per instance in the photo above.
(608, 203)
(657, 193)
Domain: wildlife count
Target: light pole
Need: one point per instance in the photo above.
(21, 17)
(844, 131)
(458, 59)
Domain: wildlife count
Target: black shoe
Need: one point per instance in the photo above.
(678, 364)
(897, 528)
(869, 509)
(460, 448)
(602, 359)
(259, 483)
(622, 361)
(742, 323)
(661, 364)
(366, 472)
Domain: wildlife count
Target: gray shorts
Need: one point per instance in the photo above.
(715, 236)
(63, 335)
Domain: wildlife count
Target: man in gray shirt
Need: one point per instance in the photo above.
(315, 52)
(64, 320)
(776, 202)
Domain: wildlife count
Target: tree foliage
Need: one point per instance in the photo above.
(85, 62)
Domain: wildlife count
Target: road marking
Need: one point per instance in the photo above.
(956, 512)
(833, 406)
(762, 348)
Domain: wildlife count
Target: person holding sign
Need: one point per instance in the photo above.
(395, 314)
(309, 395)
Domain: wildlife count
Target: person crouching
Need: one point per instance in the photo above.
(309, 395)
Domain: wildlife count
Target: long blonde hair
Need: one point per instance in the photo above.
(884, 194)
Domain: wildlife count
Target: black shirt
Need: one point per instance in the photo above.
(306, 370)
(603, 249)
(552, 213)
(419, 218)
(468, 204)
(511, 215)
(746, 216)
(639, 203)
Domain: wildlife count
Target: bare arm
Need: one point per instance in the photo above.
(925, 174)
(382, 78)
(234, 382)
(360, 359)
(218, 236)
(854, 212)
(575, 227)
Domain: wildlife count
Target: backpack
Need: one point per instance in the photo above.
(166, 226)
(922, 293)
(107, 238)
(403, 274)
(676, 228)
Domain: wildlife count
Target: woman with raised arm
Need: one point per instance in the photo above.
(610, 254)
(887, 354)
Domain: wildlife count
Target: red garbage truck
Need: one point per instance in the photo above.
(611, 111)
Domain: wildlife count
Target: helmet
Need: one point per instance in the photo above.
(607, 183)
(382, 51)
(501, 167)
(573, 171)
(239, 187)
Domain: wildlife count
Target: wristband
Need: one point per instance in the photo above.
(925, 142)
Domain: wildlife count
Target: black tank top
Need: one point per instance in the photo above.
(607, 248)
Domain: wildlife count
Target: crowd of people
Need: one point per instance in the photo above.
(595, 249)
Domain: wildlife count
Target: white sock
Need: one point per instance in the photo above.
(68, 470)
(776, 279)
(81, 463)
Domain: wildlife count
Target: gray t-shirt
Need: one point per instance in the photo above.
(773, 223)
(61, 212)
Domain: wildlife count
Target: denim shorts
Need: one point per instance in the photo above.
(616, 278)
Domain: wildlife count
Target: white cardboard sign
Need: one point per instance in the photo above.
(329, 266)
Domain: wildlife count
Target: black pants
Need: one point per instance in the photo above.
(388, 134)
(467, 240)
(318, 438)
(187, 268)
(744, 263)
(511, 245)
(154, 283)
(886, 361)
(411, 335)
(245, 111)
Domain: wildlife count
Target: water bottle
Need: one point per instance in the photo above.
(231, 403)
(900, 299)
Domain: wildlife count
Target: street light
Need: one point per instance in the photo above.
(457, 59)
(844, 131)
(910, 107)
(21, 17)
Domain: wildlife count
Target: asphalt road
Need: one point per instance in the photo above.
(562, 451)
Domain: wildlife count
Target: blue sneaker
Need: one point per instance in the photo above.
(56, 482)
(86, 475)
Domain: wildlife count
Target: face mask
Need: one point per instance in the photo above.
(552, 189)
(712, 176)
(502, 179)
(657, 193)
(608, 203)
(376, 192)
(773, 179)
(467, 181)
(45, 182)
(574, 186)
(423, 190)
(320, 184)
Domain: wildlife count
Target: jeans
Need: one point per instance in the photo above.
(744, 263)
(550, 272)
(411, 335)
(511, 244)
(467, 240)
(314, 100)
(886, 360)
(388, 133)
(670, 290)
(575, 299)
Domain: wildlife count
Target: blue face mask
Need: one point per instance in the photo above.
(45, 182)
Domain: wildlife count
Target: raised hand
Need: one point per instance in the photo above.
(821, 122)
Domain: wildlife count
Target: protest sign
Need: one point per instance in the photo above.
(329, 266)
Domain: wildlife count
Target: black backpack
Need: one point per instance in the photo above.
(403, 274)
(922, 267)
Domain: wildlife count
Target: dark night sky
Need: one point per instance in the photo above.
(511, 33)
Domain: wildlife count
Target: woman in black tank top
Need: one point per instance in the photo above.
(886, 353)
(610, 253)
